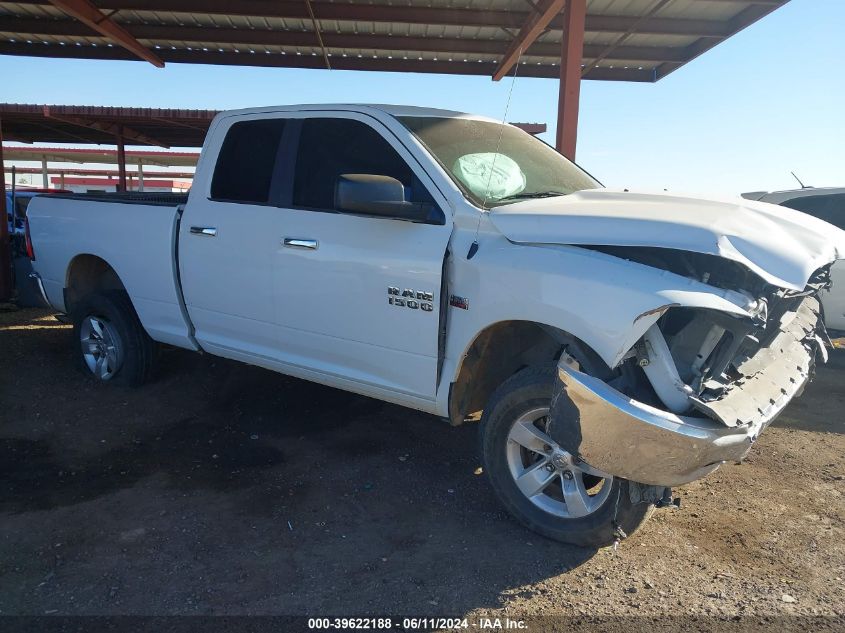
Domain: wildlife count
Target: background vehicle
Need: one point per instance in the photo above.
(17, 202)
(827, 204)
(458, 266)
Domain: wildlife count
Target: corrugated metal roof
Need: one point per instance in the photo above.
(162, 127)
(634, 40)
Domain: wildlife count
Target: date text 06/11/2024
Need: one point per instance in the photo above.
(413, 624)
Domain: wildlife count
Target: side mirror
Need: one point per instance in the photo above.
(377, 195)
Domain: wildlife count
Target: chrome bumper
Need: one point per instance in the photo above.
(630, 439)
(627, 438)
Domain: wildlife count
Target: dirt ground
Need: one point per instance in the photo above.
(228, 489)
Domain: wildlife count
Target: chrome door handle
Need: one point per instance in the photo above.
(293, 242)
(208, 231)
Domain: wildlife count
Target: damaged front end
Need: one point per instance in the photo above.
(696, 390)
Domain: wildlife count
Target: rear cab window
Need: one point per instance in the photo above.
(246, 163)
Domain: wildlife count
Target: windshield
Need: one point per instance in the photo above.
(491, 171)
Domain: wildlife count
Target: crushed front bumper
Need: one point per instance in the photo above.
(627, 438)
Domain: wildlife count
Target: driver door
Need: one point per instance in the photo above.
(358, 296)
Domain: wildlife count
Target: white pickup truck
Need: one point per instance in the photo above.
(613, 344)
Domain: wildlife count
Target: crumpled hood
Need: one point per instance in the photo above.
(781, 245)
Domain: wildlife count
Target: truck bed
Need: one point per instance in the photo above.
(133, 233)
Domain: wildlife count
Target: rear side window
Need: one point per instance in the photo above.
(331, 147)
(830, 208)
(246, 163)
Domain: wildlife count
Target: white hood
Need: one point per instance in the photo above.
(781, 245)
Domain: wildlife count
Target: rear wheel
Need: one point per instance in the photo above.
(111, 344)
(539, 483)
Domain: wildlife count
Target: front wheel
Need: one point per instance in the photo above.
(538, 482)
(111, 344)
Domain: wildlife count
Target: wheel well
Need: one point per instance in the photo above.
(88, 274)
(501, 350)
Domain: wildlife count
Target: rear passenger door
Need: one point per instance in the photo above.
(360, 294)
(228, 240)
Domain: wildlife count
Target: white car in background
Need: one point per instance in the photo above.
(827, 204)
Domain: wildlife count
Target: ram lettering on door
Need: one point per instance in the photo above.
(409, 298)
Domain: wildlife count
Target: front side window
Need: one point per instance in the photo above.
(331, 147)
(495, 164)
(246, 163)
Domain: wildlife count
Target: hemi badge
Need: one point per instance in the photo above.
(458, 302)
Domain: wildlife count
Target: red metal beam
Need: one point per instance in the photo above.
(5, 250)
(570, 77)
(121, 160)
(531, 29)
(92, 17)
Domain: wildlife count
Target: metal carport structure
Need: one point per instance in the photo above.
(157, 127)
(614, 40)
(569, 40)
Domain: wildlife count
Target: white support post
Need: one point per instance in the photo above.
(45, 179)
(140, 174)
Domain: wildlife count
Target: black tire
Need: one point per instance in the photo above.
(526, 390)
(138, 351)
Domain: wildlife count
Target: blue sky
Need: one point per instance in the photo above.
(740, 118)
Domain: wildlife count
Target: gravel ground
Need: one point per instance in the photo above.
(227, 489)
